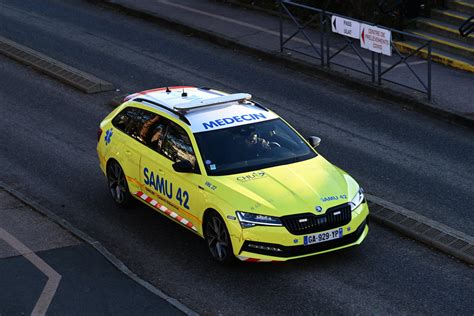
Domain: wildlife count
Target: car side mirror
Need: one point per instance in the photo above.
(314, 141)
(183, 166)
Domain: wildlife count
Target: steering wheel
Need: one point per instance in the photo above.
(274, 145)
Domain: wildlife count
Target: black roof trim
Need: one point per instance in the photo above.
(180, 115)
(259, 106)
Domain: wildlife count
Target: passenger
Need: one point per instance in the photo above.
(157, 137)
(147, 125)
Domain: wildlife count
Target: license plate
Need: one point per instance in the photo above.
(323, 236)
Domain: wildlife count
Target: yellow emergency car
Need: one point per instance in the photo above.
(233, 172)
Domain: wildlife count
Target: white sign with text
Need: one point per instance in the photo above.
(345, 27)
(376, 39)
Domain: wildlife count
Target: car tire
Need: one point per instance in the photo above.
(218, 239)
(118, 186)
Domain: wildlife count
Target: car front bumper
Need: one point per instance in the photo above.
(263, 243)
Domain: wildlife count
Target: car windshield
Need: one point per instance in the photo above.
(251, 147)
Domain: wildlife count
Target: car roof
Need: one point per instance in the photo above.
(204, 109)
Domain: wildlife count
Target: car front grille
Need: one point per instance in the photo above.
(300, 250)
(308, 223)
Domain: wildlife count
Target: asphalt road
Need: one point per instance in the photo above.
(48, 152)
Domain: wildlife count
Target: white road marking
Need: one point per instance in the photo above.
(265, 30)
(54, 278)
(223, 18)
(414, 63)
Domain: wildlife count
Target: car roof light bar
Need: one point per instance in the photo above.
(237, 97)
(179, 114)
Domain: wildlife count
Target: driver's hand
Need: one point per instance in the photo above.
(265, 143)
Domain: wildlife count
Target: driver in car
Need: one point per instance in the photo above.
(252, 139)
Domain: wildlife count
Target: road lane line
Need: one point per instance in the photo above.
(226, 19)
(262, 29)
(97, 246)
(54, 278)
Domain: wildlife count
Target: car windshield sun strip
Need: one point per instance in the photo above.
(180, 115)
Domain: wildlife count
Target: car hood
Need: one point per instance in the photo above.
(290, 189)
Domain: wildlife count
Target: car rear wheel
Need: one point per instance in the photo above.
(118, 186)
(218, 239)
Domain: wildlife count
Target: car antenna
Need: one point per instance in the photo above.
(184, 94)
(168, 90)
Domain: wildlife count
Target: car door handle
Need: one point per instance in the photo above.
(128, 152)
(161, 171)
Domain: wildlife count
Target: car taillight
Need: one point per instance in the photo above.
(99, 133)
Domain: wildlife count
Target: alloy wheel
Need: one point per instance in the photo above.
(217, 238)
(117, 184)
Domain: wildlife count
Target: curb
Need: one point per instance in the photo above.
(414, 225)
(403, 99)
(99, 247)
(54, 68)
(423, 229)
(436, 57)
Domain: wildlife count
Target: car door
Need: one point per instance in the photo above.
(152, 174)
(179, 192)
(127, 149)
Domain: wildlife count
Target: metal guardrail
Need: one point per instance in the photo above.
(426, 85)
(285, 7)
(366, 62)
(467, 27)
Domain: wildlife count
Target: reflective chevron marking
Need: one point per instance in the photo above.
(165, 210)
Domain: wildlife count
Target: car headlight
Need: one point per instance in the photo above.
(357, 200)
(249, 220)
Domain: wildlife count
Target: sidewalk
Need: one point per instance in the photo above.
(45, 269)
(257, 32)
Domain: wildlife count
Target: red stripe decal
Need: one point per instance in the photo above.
(160, 207)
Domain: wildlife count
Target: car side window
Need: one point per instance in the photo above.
(138, 127)
(153, 130)
(177, 145)
(124, 118)
(146, 127)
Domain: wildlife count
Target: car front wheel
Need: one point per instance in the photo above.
(218, 239)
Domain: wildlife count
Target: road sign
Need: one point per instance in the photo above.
(376, 39)
(345, 27)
